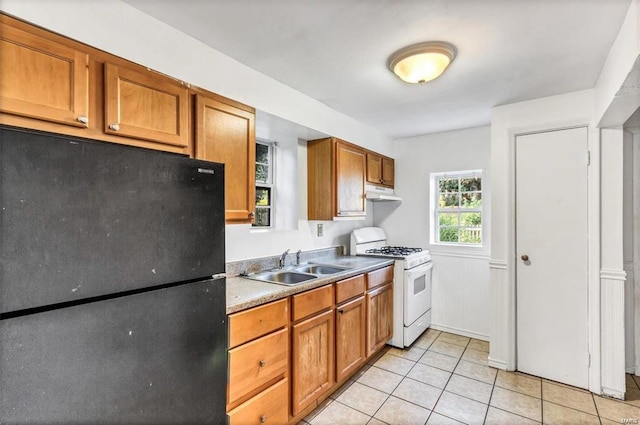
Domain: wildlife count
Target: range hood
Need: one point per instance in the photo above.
(378, 193)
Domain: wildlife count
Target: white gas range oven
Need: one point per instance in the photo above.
(412, 282)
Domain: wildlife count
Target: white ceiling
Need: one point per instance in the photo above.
(336, 51)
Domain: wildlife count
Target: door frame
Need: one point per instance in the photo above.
(593, 245)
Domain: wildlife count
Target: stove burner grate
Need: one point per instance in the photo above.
(394, 250)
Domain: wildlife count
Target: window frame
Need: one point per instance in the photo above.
(436, 210)
(269, 184)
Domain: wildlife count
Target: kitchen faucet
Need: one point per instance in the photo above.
(298, 257)
(283, 257)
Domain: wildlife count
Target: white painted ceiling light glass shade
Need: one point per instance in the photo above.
(422, 62)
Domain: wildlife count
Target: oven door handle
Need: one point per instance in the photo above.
(421, 269)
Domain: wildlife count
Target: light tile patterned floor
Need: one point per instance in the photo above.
(444, 379)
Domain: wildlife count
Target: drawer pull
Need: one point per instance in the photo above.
(114, 126)
(263, 363)
(83, 119)
(263, 419)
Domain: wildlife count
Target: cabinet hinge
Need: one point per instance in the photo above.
(588, 157)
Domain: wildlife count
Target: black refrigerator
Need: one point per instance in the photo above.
(112, 299)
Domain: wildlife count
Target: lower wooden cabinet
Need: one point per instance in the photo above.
(257, 363)
(258, 370)
(379, 317)
(268, 407)
(288, 355)
(312, 349)
(350, 337)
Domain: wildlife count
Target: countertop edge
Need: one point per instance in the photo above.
(243, 293)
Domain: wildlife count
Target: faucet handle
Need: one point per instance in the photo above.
(283, 257)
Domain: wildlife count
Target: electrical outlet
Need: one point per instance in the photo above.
(320, 229)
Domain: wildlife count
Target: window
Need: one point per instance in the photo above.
(458, 207)
(264, 184)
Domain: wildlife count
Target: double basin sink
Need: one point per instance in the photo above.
(297, 274)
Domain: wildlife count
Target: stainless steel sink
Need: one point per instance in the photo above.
(320, 269)
(283, 277)
(297, 274)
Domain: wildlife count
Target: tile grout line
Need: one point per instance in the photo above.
(447, 383)
(596, 405)
(542, 401)
(493, 387)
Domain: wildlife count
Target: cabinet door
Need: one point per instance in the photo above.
(388, 172)
(374, 168)
(42, 79)
(350, 337)
(146, 106)
(312, 371)
(379, 317)
(226, 134)
(350, 175)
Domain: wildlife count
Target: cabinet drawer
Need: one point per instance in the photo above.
(256, 363)
(310, 302)
(269, 407)
(349, 288)
(250, 324)
(379, 277)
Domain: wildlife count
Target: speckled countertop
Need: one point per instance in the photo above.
(243, 293)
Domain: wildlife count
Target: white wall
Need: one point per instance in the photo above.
(617, 94)
(460, 274)
(122, 30)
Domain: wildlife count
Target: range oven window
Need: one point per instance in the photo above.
(457, 207)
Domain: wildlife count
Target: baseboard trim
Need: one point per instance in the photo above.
(462, 332)
(612, 393)
(498, 364)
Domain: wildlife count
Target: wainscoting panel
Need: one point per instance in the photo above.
(461, 294)
(612, 332)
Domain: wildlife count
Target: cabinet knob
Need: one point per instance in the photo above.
(83, 119)
(252, 214)
(263, 419)
(263, 363)
(341, 311)
(524, 257)
(114, 126)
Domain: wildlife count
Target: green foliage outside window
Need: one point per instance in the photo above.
(459, 211)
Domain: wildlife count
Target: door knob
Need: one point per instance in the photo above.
(524, 257)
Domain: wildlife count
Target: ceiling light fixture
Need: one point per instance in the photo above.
(422, 62)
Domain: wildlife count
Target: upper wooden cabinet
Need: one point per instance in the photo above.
(145, 106)
(225, 133)
(43, 79)
(51, 83)
(336, 179)
(380, 169)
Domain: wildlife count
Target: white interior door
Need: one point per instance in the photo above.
(551, 249)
